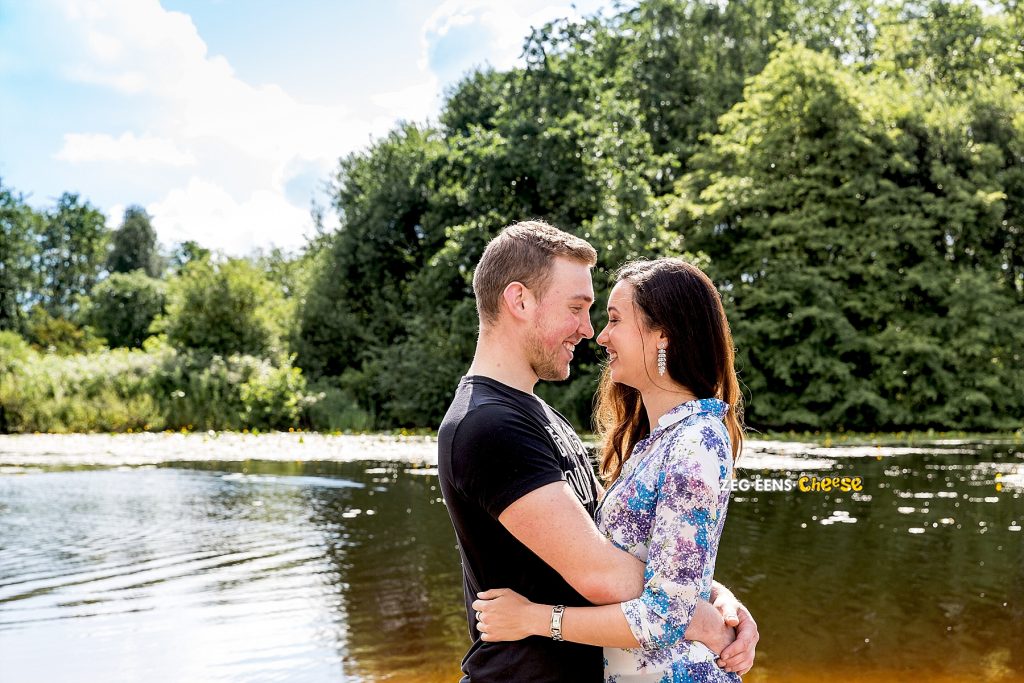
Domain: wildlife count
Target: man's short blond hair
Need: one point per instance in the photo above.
(523, 252)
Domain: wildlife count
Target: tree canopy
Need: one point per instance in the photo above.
(134, 245)
(849, 172)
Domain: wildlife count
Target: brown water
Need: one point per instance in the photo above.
(347, 571)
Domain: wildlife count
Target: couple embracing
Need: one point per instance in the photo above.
(556, 564)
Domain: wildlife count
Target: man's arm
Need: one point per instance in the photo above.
(551, 522)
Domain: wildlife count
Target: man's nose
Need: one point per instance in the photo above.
(587, 328)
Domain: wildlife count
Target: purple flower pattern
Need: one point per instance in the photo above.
(668, 509)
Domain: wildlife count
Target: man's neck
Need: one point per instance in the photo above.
(502, 361)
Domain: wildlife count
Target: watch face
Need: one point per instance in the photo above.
(556, 622)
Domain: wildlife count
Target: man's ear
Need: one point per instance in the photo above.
(517, 299)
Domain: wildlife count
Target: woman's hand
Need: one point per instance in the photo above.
(502, 614)
(721, 638)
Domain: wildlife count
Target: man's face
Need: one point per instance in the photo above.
(562, 319)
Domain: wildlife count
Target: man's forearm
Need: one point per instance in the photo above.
(551, 522)
(615, 577)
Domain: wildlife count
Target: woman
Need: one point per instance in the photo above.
(669, 411)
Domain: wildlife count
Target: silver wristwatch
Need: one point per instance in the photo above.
(556, 622)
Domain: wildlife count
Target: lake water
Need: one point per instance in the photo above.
(133, 560)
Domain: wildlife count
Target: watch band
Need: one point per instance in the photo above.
(556, 622)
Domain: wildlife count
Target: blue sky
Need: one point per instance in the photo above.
(224, 117)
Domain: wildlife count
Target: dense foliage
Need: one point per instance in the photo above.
(851, 174)
(134, 245)
(122, 308)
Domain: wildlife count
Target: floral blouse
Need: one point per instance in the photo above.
(668, 508)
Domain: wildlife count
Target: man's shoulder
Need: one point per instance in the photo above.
(488, 419)
(477, 402)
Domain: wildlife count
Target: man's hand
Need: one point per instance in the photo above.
(727, 605)
(739, 656)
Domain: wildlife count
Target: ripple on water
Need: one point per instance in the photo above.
(324, 482)
(194, 573)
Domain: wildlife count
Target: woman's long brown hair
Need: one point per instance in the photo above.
(678, 299)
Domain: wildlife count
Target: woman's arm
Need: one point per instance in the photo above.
(503, 614)
(683, 540)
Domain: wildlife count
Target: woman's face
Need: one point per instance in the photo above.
(632, 350)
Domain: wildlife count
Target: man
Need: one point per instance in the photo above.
(516, 479)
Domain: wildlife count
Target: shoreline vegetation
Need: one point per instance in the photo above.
(160, 390)
(821, 439)
(297, 451)
(850, 175)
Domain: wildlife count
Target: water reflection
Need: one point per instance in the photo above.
(228, 571)
(918, 577)
(328, 571)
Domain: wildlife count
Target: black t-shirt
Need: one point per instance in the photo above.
(497, 444)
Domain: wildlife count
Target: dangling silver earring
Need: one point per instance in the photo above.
(662, 359)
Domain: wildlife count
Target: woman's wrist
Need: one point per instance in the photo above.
(540, 620)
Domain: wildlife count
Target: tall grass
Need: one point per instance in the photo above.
(158, 389)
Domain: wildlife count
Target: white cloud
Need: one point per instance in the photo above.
(104, 47)
(505, 24)
(204, 212)
(162, 55)
(415, 103)
(115, 215)
(80, 148)
(244, 140)
(247, 148)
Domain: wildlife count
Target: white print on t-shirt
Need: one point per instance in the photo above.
(565, 438)
(572, 449)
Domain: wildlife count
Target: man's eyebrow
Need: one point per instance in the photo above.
(583, 297)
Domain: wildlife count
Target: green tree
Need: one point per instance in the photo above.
(292, 273)
(186, 252)
(59, 335)
(72, 250)
(134, 245)
(122, 307)
(224, 308)
(842, 233)
(356, 300)
(20, 228)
